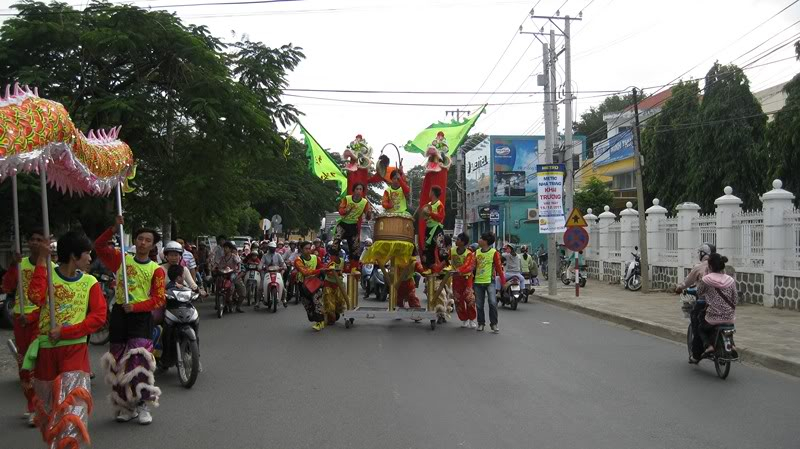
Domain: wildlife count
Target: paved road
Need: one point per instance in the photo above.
(551, 379)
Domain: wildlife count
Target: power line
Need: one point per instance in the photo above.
(391, 103)
(433, 92)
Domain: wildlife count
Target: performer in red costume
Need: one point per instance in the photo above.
(435, 176)
(357, 157)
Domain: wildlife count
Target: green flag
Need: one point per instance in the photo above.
(455, 132)
(321, 164)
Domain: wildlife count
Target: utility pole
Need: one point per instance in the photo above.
(637, 144)
(569, 182)
(552, 267)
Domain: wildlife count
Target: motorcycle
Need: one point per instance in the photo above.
(179, 336)
(567, 277)
(7, 301)
(108, 285)
(510, 294)
(633, 274)
(273, 291)
(530, 283)
(251, 283)
(366, 273)
(724, 353)
(377, 284)
(224, 299)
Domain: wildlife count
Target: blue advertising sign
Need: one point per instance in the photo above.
(494, 215)
(512, 156)
(615, 149)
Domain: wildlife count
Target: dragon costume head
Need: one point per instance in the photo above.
(437, 153)
(358, 154)
(36, 133)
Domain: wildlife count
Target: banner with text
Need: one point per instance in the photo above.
(550, 186)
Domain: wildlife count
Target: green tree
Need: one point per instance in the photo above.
(594, 194)
(666, 141)
(730, 140)
(201, 116)
(415, 177)
(592, 124)
(783, 139)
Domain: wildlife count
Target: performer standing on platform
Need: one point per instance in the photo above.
(434, 229)
(396, 194)
(352, 209)
(25, 330)
(59, 357)
(463, 262)
(129, 363)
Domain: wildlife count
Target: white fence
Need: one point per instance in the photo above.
(763, 246)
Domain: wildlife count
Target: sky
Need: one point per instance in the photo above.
(458, 45)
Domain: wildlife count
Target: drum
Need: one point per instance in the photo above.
(394, 227)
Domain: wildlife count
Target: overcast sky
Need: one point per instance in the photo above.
(452, 45)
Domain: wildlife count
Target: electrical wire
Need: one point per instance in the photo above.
(391, 103)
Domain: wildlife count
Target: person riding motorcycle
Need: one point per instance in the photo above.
(173, 254)
(272, 259)
(512, 267)
(231, 261)
(698, 312)
(529, 265)
(719, 291)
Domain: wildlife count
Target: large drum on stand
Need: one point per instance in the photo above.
(394, 227)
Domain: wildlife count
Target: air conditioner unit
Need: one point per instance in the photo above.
(533, 215)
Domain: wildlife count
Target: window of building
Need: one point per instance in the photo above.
(623, 181)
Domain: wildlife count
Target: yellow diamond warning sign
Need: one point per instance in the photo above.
(576, 220)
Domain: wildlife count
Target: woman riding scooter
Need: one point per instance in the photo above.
(271, 261)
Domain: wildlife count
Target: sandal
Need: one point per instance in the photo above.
(693, 361)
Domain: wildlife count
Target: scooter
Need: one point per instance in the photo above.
(224, 299)
(633, 274)
(510, 294)
(251, 283)
(179, 337)
(273, 292)
(367, 271)
(7, 310)
(377, 284)
(724, 353)
(567, 277)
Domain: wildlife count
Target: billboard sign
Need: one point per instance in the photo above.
(550, 180)
(494, 215)
(509, 183)
(478, 174)
(514, 154)
(616, 148)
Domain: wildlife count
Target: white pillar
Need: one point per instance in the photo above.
(628, 237)
(726, 207)
(775, 203)
(605, 220)
(656, 237)
(592, 251)
(687, 237)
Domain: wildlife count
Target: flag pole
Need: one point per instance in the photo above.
(46, 226)
(122, 242)
(17, 244)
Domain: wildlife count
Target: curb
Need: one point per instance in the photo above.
(767, 360)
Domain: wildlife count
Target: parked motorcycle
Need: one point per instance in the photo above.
(108, 284)
(724, 353)
(511, 294)
(179, 337)
(632, 280)
(567, 277)
(273, 291)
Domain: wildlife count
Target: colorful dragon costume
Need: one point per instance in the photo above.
(33, 130)
(37, 134)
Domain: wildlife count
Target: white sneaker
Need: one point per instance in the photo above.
(495, 328)
(126, 415)
(31, 420)
(145, 417)
(26, 415)
(473, 324)
(466, 323)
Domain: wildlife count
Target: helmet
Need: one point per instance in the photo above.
(173, 246)
(706, 249)
(524, 247)
(272, 245)
(368, 241)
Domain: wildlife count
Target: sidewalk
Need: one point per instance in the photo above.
(764, 336)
